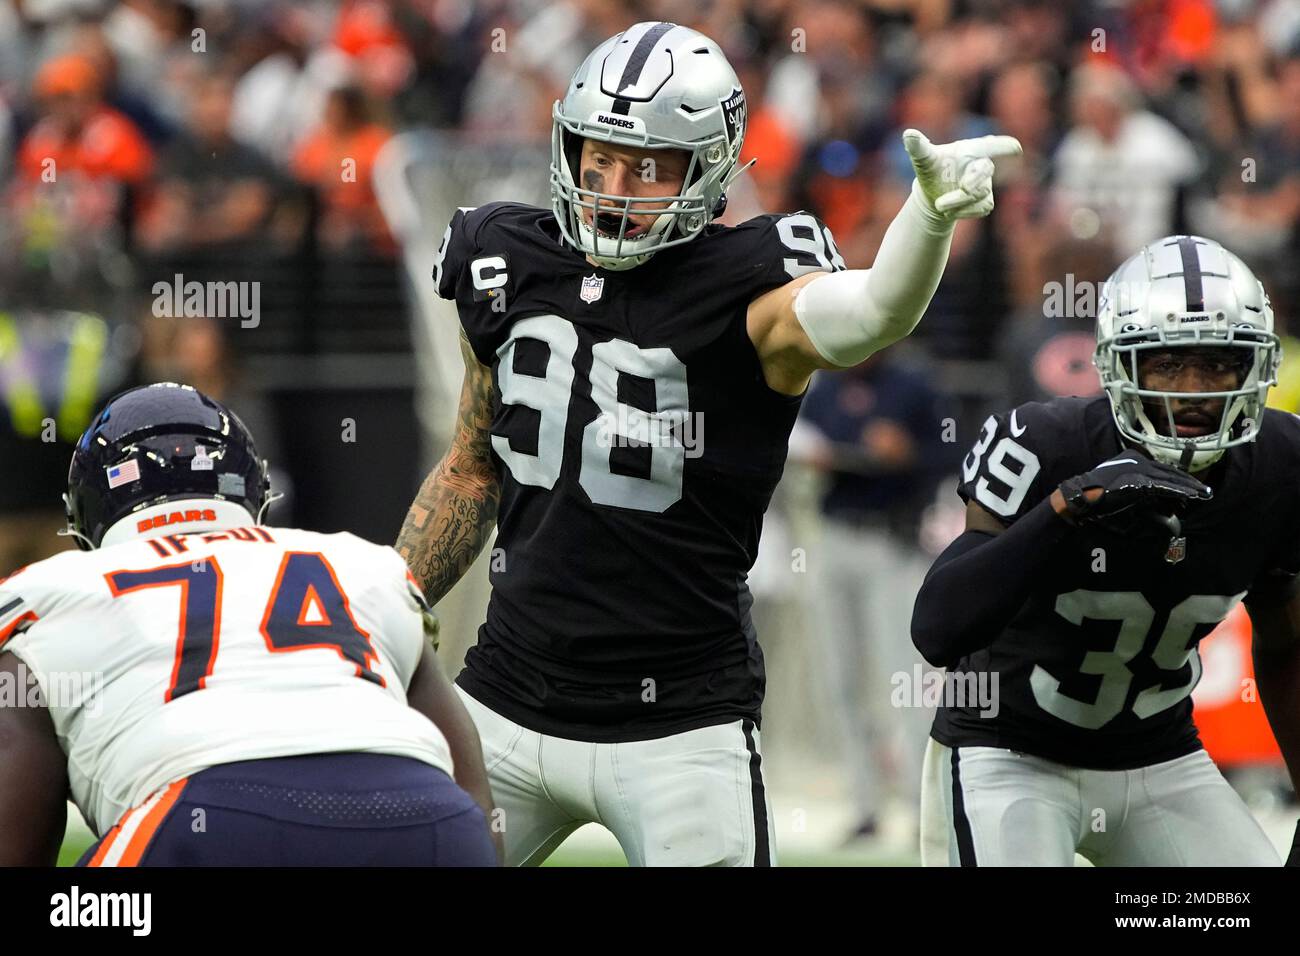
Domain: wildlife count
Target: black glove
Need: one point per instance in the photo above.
(1133, 486)
(1294, 858)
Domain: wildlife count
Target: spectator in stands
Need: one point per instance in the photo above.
(970, 304)
(1258, 203)
(284, 80)
(1120, 166)
(938, 104)
(1020, 104)
(211, 189)
(770, 141)
(78, 134)
(81, 175)
(56, 367)
(337, 159)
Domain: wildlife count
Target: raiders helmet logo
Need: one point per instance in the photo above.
(733, 115)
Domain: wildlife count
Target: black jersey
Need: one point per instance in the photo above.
(638, 446)
(1097, 668)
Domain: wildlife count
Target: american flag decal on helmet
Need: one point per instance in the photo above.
(124, 473)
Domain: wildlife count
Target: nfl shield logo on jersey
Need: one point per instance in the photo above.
(592, 287)
(1177, 549)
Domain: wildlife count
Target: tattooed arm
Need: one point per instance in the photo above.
(456, 507)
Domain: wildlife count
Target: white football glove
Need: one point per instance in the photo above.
(956, 179)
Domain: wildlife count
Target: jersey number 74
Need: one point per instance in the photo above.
(305, 582)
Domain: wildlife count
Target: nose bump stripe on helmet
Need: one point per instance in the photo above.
(1192, 289)
(635, 64)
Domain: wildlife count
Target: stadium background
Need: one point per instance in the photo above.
(314, 152)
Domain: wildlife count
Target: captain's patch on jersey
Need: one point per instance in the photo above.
(123, 474)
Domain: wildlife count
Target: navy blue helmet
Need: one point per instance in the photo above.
(160, 443)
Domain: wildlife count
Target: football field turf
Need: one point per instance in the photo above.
(592, 846)
(587, 848)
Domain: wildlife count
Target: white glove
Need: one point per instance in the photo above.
(955, 180)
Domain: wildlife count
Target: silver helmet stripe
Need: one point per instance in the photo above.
(636, 63)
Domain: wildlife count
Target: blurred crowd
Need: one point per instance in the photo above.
(150, 131)
(234, 138)
(159, 127)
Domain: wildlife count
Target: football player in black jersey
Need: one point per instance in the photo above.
(633, 371)
(1104, 538)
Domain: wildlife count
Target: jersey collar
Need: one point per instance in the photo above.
(175, 517)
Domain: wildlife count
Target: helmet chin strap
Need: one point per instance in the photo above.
(82, 541)
(615, 263)
(1188, 458)
(270, 499)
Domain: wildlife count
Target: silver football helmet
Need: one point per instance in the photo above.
(653, 86)
(1185, 292)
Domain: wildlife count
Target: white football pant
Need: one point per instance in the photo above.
(691, 799)
(985, 806)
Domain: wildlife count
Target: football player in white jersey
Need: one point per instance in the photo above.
(212, 691)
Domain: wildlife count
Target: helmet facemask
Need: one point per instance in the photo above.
(710, 170)
(1119, 357)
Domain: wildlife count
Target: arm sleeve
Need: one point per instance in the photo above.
(980, 583)
(849, 315)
